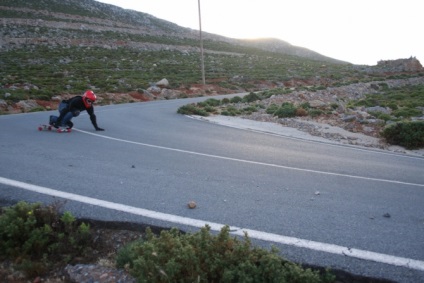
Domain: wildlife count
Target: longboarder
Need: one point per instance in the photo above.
(72, 108)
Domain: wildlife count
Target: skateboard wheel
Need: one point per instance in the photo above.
(40, 128)
(49, 128)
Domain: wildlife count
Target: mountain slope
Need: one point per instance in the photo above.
(56, 48)
(89, 14)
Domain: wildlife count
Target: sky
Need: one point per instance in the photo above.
(356, 31)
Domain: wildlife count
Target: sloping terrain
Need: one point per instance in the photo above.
(53, 47)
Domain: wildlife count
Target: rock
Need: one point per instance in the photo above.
(378, 109)
(191, 204)
(169, 93)
(317, 104)
(3, 104)
(162, 83)
(401, 65)
(27, 105)
(154, 89)
(348, 118)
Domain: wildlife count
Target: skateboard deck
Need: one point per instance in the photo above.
(44, 127)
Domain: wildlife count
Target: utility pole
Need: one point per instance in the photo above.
(201, 46)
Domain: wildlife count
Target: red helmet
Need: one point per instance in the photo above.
(89, 97)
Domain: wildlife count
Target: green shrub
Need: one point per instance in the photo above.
(230, 111)
(392, 105)
(192, 109)
(251, 97)
(236, 99)
(212, 102)
(225, 101)
(368, 102)
(407, 134)
(407, 112)
(272, 108)
(203, 257)
(383, 116)
(305, 105)
(286, 110)
(209, 109)
(315, 112)
(249, 109)
(38, 237)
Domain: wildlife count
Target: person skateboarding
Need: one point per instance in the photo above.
(72, 107)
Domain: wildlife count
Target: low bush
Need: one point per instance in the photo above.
(384, 116)
(212, 102)
(407, 134)
(251, 97)
(249, 109)
(315, 112)
(230, 111)
(286, 110)
(272, 108)
(407, 112)
(236, 99)
(305, 105)
(192, 109)
(301, 112)
(203, 257)
(225, 100)
(37, 237)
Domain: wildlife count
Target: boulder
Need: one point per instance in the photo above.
(162, 83)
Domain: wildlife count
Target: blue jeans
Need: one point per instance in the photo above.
(66, 120)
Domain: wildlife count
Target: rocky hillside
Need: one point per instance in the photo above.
(53, 49)
(26, 21)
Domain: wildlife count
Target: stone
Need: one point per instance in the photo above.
(191, 204)
(378, 109)
(163, 83)
(348, 118)
(317, 104)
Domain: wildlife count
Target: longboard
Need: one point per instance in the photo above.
(44, 127)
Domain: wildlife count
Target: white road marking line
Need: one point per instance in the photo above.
(253, 234)
(252, 162)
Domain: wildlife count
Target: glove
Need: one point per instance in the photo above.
(99, 129)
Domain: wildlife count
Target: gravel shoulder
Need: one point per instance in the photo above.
(318, 132)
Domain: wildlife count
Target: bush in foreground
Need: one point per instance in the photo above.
(37, 237)
(407, 134)
(202, 257)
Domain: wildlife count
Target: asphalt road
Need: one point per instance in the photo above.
(357, 210)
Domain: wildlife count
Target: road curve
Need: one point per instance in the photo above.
(356, 210)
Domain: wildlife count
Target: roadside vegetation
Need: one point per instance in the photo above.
(397, 108)
(38, 238)
(403, 104)
(42, 72)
